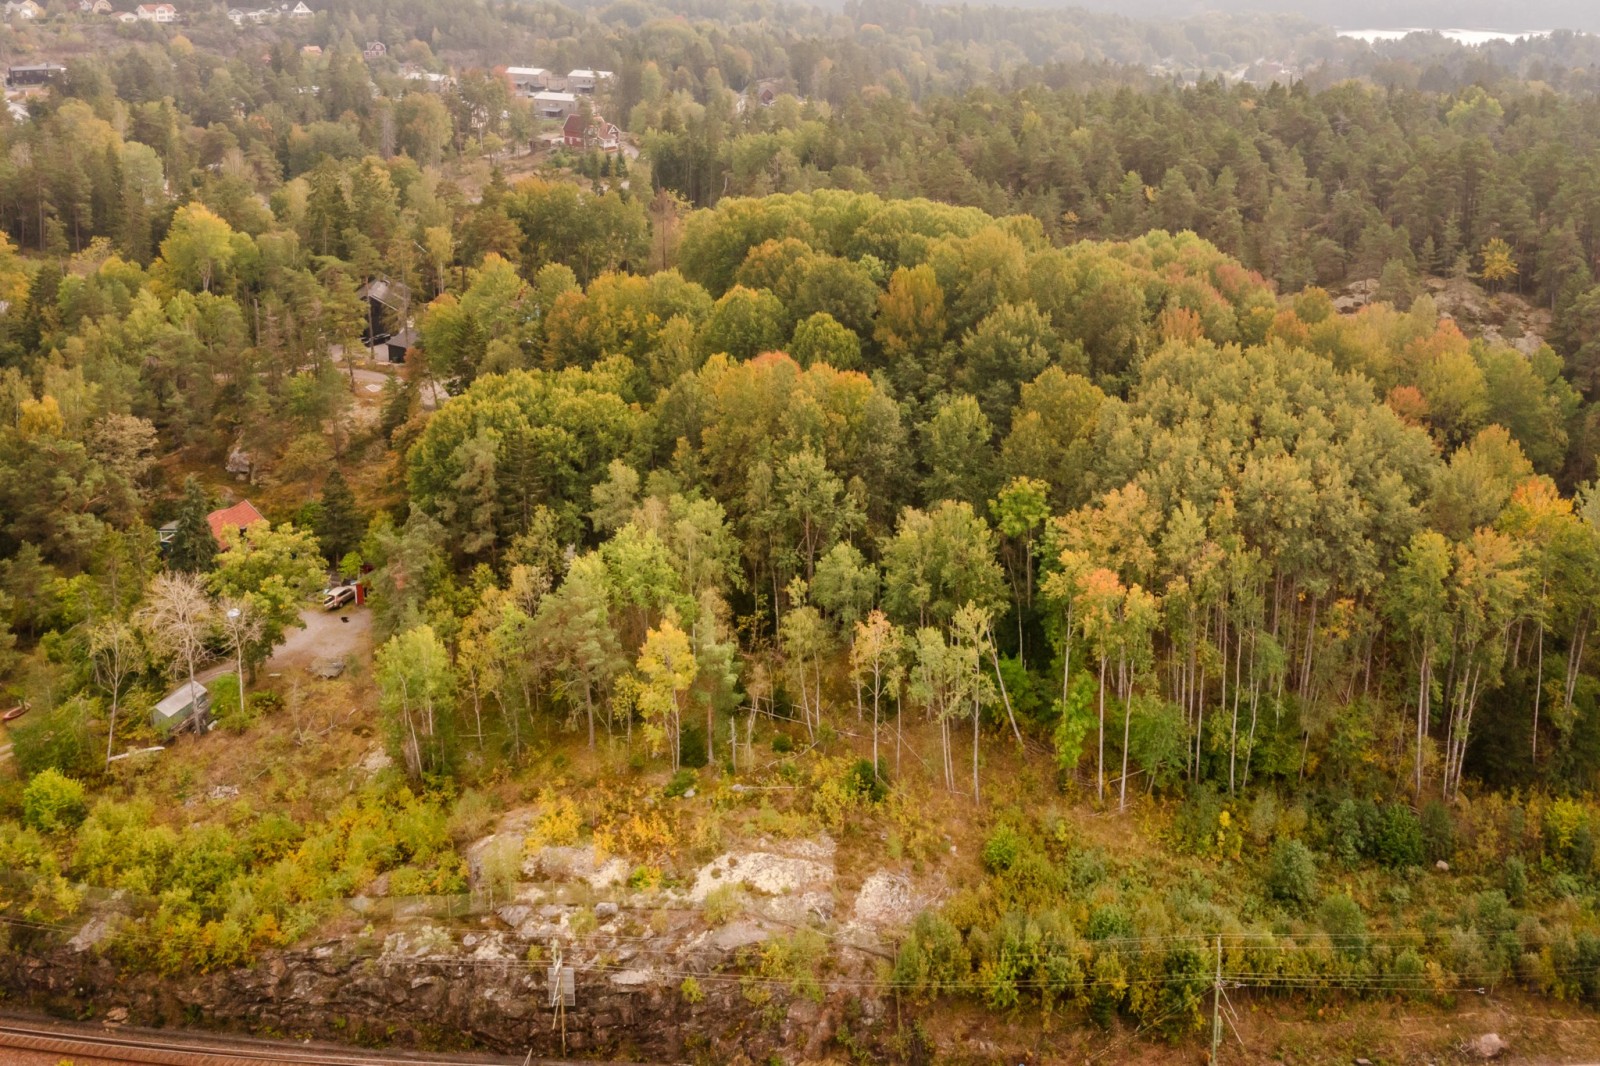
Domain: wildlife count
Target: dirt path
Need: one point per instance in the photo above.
(343, 634)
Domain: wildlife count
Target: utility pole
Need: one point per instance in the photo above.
(1216, 1006)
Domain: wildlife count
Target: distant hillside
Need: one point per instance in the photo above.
(1380, 14)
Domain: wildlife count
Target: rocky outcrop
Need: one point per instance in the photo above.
(478, 996)
(475, 971)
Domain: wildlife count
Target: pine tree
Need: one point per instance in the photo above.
(193, 548)
(340, 524)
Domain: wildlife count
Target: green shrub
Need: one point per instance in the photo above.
(1341, 918)
(225, 705)
(1263, 821)
(1177, 1006)
(1083, 868)
(782, 743)
(1002, 849)
(867, 782)
(692, 747)
(1397, 842)
(54, 803)
(1346, 841)
(723, 904)
(681, 783)
(1108, 988)
(1438, 833)
(1516, 881)
(1408, 971)
(1109, 921)
(57, 739)
(1197, 820)
(1292, 873)
(933, 959)
(1581, 859)
(471, 816)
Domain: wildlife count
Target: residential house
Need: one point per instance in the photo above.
(393, 349)
(596, 133)
(240, 516)
(33, 74)
(388, 310)
(23, 11)
(765, 91)
(375, 50)
(313, 50)
(586, 81)
(300, 11)
(554, 105)
(526, 81)
(94, 7)
(188, 706)
(162, 13)
(427, 77)
(126, 16)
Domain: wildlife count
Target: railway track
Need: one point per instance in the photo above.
(165, 1049)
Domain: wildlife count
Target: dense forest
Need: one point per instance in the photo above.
(989, 395)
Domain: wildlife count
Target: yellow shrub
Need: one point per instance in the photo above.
(558, 825)
(1562, 820)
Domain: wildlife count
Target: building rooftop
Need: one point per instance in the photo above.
(240, 516)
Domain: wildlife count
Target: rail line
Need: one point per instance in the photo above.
(159, 1049)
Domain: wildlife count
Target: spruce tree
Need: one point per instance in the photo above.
(340, 525)
(193, 549)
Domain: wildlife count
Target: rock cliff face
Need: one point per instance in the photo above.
(435, 1001)
(425, 972)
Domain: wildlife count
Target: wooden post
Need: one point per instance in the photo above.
(1216, 1006)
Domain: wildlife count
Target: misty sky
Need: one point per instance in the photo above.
(1384, 14)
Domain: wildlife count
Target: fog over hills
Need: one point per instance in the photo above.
(1383, 14)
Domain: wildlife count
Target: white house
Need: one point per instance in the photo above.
(585, 81)
(163, 13)
(555, 105)
(525, 81)
(25, 10)
(301, 11)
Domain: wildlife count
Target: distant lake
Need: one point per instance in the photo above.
(1467, 37)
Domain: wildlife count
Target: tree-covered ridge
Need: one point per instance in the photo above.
(1244, 480)
(1006, 430)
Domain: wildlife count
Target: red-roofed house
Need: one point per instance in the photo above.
(597, 133)
(240, 516)
(156, 13)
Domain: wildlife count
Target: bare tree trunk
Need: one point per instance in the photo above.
(976, 709)
(1100, 755)
(1015, 731)
(1538, 690)
(1233, 729)
(1423, 685)
(1122, 786)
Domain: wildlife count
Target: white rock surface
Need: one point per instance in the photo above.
(775, 869)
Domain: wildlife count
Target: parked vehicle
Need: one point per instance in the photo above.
(335, 598)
